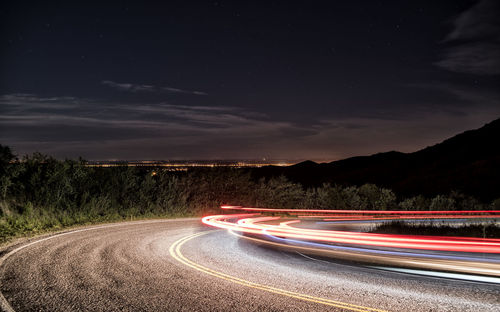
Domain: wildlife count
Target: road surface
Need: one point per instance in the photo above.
(181, 265)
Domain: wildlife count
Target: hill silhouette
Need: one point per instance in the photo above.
(468, 163)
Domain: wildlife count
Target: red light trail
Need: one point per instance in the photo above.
(283, 226)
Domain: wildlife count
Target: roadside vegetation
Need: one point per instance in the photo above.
(484, 230)
(39, 193)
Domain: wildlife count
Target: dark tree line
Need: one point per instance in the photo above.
(39, 192)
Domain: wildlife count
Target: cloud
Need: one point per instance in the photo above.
(128, 86)
(176, 90)
(459, 97)
(131, 87)
(32, 101)
(28, 117)
(473, 58)
(71, 127)
(474, 42)
(480, 21)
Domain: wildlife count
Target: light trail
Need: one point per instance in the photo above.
(369, 212)
(449, 253)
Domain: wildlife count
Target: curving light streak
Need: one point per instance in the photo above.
(368, 212)
(462, 244)
(290, 231)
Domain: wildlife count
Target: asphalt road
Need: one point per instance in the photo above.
(176, 265)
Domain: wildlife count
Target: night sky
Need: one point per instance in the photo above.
(251, 80)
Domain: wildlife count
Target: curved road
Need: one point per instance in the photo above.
(180, 265)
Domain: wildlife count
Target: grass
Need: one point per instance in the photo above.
(16, 226)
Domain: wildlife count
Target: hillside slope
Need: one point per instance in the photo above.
(468, 162)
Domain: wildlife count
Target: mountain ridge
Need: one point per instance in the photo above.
(468, 162)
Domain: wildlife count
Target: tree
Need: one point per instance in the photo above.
(441, 202)
(6, 170)
(415, 203)
(279, 193)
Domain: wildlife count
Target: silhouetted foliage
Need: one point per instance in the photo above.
(39, 192)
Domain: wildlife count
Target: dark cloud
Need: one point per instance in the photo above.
(27, 109)
(459, 98)
(475, 41)
(72, 127)
(128, 86)
(132, 87)
(29, 117)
